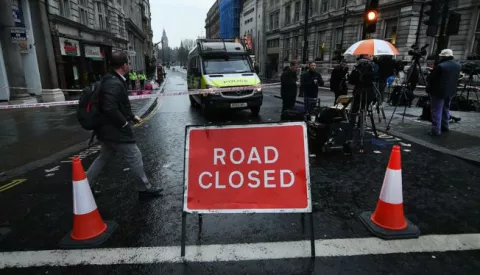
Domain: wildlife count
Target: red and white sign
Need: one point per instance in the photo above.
(260, 168)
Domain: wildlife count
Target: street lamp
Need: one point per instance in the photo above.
(305, 32)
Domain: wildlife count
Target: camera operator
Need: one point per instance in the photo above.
(338, 80)
(309, 83)
(362, 77)
(386, 65)
(442, 87)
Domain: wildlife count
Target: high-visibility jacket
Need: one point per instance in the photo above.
(141, 77)
(132, 76)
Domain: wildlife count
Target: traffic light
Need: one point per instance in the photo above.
(371, 16)
(433, 11)
(453, 23)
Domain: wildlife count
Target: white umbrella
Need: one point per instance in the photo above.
(372, 47)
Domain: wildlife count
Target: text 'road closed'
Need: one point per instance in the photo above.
(282, 178)
(247, 168)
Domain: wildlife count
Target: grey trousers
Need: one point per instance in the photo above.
(128, 152)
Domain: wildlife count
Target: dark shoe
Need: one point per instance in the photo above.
(152, 192)
(432, 134)
(445, 130)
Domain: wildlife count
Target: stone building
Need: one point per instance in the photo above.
(397, 23)
(212, 22)
(251, 27)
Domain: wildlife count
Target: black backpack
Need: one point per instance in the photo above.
(366, 71)
(88, 109)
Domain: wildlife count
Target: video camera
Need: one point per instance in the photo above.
(416, 52)
(471, 68)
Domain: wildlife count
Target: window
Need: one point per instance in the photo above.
(476, 43)
(296, 16)
(390, 34)
(82, 9)
(121, 30)
(276, 20)
(324, 6)
(320, 45)
(337, 39)
(341, 3)
(64, 8)
(295, 49)
(288, 15)
(100, 10)
(271, 22)
(286, 48)
(273, 43)
(223, 66)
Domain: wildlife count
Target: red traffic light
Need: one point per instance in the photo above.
(372, 15)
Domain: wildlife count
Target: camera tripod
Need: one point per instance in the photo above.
(366, 109)
(407, 86)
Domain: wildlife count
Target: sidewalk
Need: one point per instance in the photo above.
(462, 141)
(31, 138)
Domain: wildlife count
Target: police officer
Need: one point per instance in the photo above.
(309, 83)
(288, 88)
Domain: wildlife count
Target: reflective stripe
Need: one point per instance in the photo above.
(83, 202)
(392, 187)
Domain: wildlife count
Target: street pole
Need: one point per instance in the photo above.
(442, 42)
(419, 27)
(343, 30)
(163, 54)
(305, 33)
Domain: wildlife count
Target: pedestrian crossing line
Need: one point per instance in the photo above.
(239, 252)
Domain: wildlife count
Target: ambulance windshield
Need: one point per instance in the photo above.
(226, 66)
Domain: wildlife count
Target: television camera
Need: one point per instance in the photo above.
(418, 52)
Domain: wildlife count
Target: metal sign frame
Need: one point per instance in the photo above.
(302, 211)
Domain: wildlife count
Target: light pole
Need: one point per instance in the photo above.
(345, 13)
(305, 32)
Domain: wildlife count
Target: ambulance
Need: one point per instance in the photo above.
(223, 63)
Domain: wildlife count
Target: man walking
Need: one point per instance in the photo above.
(115, 133)
(442, 87)
(288, 89)
(309, 82)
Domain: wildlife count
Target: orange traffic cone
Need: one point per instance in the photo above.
(89, 229)
(388, 220)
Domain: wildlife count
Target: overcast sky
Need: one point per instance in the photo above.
(181, 19)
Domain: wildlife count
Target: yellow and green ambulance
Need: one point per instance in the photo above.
(223, 63)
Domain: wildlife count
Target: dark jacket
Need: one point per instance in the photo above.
(338, 79)
(443, 80)
(308, 86)
(288, 81)
(116, 110)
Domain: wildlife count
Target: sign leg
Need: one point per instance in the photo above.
(200, 225)
(312, 236)
(302, 218)
(184, 233)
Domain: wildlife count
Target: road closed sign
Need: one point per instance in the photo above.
(259, 168)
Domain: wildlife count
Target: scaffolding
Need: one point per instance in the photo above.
(229, 11)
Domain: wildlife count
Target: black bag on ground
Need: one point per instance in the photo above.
(397, 98)
(88, 109)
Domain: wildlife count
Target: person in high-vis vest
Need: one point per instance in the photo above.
(141, 78)
(133, 79)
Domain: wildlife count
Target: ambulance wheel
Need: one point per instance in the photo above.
(193, 103)
(206, 112)
(255, 111)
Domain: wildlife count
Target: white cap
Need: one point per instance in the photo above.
(446, 53)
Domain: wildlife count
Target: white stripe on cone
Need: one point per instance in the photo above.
(392, 187)
(83, 202)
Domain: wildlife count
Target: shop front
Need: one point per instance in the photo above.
(96, 59)
(70, 59)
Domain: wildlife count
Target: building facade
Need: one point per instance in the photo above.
(251, 28)
(70, 42)
(229, 11)
(212, 23)
(327, 32)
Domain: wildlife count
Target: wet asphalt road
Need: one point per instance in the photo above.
(441, 196)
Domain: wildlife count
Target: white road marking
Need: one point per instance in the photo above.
(239, 252)
(49, 175)
(405, 144)
(52, 169)
(377, 152)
